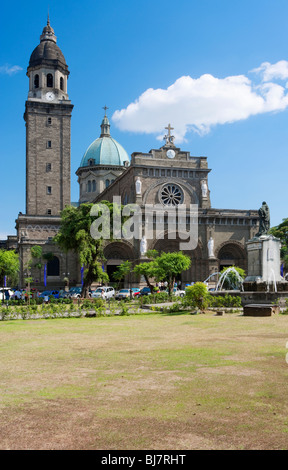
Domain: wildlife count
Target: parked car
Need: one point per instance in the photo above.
(178, 292)
(109, 292)
(135, 292)
(74, 292)
(145, 291)
(123, 294)
(48, 293)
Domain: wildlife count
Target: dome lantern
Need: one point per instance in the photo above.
(48, 33)
(105, 150)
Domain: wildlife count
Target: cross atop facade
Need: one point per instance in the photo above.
(105, 107)
(169, 138)
(169, 128)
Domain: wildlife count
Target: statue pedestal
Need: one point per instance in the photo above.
(263, 259)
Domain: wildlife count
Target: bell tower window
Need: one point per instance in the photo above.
(61, 83)
(49, 80)
(36, 81)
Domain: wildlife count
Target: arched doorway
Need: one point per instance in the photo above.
(232, 254)
(115, 253)
(53, 267)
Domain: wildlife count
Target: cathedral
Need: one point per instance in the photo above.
(164, 177)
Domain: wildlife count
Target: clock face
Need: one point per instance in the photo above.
(170, 153)
(50, 96)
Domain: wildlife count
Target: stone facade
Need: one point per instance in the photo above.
(164, 176)
(47, 157)
(229, 229)
(39, 230)
(93, 180)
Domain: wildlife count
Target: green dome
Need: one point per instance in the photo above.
(105, 150)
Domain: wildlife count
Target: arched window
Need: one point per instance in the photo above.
(53, 267)
(89, 187)
(61, 83)
(107, 182)
(93, 186)
(49, 80)
(36, 81)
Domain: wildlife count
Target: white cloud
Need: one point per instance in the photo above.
(10, 69)
(198, 104)
(273, 71)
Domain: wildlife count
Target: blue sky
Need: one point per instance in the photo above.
(216, 70)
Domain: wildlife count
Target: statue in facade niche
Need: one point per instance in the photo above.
(264, 216)
(211, 247)
(143, 246)
(204, 188)
(138, 186)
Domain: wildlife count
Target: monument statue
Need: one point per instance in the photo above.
(143, 246)
(204, 188)
(211, 248)
(264, 216)
(138, 186)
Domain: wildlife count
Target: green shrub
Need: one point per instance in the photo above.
(228, 301)
(145, 299)
(197, 296)
(124, 308)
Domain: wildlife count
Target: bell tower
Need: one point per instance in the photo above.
(48, 129)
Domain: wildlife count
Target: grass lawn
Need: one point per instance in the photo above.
(149, 381)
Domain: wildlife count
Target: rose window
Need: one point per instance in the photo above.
(171, 195)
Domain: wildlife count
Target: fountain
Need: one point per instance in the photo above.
(209, 277)
(263, 289)
(274, 279)
(224, 276)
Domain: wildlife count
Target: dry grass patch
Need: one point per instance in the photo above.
(144, 382)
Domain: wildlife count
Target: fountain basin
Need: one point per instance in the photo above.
(260, 310)
(256, 297)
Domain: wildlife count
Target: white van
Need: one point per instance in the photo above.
(109, 292)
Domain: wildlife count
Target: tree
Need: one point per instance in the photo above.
(9, 266)
(38, 257)
(148, 271)
(281, 231)
(121, 271)
(171, 265)
(75, 235)
(165, 266)
(36, 253)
